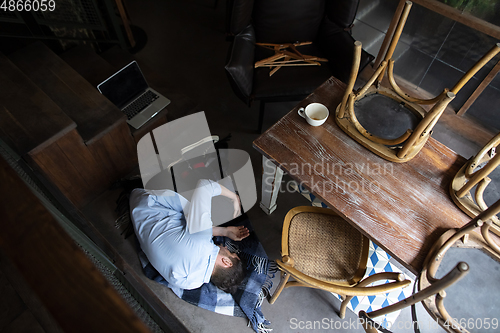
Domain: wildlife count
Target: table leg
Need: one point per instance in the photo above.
(271, 181)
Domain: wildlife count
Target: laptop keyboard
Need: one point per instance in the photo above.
(140, 104)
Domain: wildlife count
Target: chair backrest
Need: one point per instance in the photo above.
(288, 21)
(475, 172)
(238, 15)
(437, 288)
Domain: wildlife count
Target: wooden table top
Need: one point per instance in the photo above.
(402, 207)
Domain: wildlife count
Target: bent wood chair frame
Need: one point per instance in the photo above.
(408, 145)
(476, 172)
(346, 289)
(432, 290)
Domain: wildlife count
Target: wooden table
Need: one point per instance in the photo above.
(402, 207)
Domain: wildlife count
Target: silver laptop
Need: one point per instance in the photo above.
(130, 92)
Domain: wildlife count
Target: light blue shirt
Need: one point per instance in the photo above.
(161, 222)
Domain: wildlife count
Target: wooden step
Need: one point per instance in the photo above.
(94, 115)
(29, 119)
(38, 130)
(78, 159)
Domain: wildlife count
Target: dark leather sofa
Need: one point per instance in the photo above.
(326, 23)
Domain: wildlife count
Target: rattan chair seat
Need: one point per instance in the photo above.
(324, 246)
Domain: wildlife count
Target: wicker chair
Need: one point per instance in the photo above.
(435, 290)
(463, 189)
(321, 250)
(432, 290)
(402, 144)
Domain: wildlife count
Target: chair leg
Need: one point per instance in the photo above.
(262, 106)
(343, 306)
(284, 279)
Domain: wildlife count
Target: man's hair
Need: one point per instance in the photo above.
(229, 278)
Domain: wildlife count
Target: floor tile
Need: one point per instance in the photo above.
(426, 30)
(370, 37)
(411, 65)
(486, 109)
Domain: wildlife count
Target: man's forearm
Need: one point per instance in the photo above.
(234, 198)
(227, 193)
(219, 231)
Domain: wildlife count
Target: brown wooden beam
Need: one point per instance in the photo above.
(76, 294)
(479, 90)
(464, 18)
(126, 22)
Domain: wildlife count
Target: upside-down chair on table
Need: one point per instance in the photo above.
(406, 144)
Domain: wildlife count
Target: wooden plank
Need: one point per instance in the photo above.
(72, 168)
(479, 90)
(93, 114)
(28, 118)
(79, 298)
(11, 305)
(53, 164)
(464, 18)
(34, 305)
(125, 21)
(402, 207)
(126, 147)
(116, 153)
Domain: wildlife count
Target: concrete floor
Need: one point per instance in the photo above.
(186, 44)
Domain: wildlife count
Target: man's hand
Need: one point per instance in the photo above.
(237, 233)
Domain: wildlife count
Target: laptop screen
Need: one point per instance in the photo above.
(124, 85)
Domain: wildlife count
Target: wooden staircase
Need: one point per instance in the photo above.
(77, 143)
(52, 115)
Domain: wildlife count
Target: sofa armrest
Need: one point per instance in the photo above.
(337, 46)
(239, 15)
(240, 65)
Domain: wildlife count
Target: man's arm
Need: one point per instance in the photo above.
(235, 233)
(198, 217)
(234, 198)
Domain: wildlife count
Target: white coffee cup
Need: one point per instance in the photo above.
(315, 114)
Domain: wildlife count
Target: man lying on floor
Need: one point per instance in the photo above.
(176, 236)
